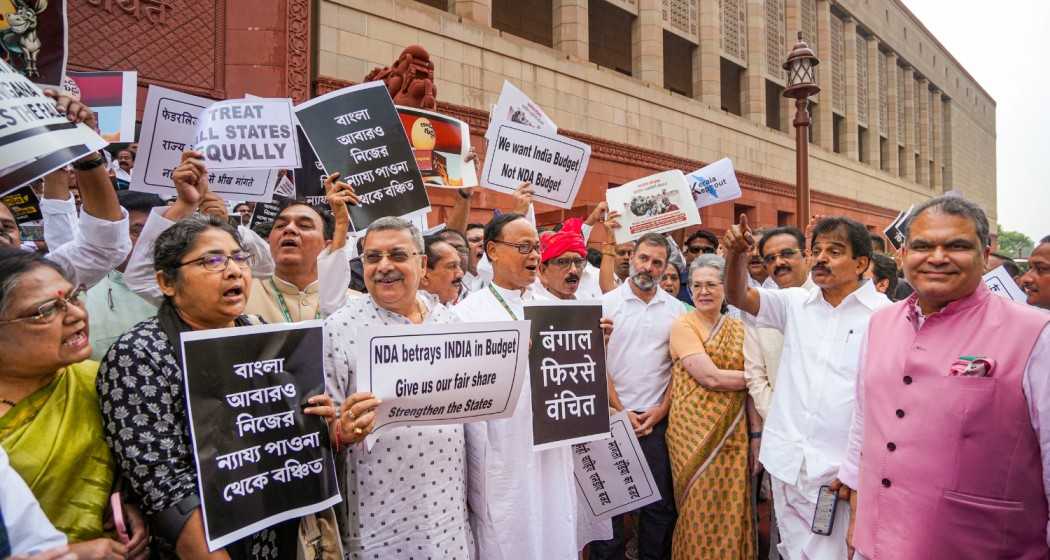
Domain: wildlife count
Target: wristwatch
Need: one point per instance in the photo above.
(754, 435)
(81, 165)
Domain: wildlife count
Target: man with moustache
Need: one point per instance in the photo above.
(805, 434)
(377, 478)
(1036, 282)
(476, 241)
(949, 451)
(563, 264)
(522, 502)
(443, 277)
(639, 367)
(306, 245)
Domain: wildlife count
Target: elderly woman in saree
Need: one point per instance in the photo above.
(204, 273)
(707, 435)
(49, 421)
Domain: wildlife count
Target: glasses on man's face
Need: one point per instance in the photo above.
(397, 255)
(217, 262)
(696, 249)
(786, 254)
(47, 311)
(523, 248)
(563, 263)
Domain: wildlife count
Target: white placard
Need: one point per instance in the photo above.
(658, 203)
(515, 107)
(555, 165)
(612, 474)
(169, 124)
(714, 183)
(443, 374)
(251, 133)
(1002, 284)
(895, 231)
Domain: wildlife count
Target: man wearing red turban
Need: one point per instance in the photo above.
(563, 259)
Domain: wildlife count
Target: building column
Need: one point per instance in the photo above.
(937, 122)
(922, 174)
(892, 109)
(571, 28)
(825, 122)
(477, 11)
(946, 145)
(707, 56)
(874, 155)
(908, 168)
(849, 38)
(647, 43)
(754, 106)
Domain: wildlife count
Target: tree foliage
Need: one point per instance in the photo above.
(1014, 243)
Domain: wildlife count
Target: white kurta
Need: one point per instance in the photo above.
(522, 502)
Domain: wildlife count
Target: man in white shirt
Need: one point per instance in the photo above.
(523, 503)
(23, 526)
(639, 366)
(805, 435)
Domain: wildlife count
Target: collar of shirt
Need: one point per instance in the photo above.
(429, 304)
(288, 288)
(514, 296)
(865, 295)
(660, 297)
(917, 318)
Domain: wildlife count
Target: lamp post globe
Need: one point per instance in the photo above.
(801, 85)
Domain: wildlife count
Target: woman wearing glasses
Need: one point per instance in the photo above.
(49, 421)
(205, 276)
(707, 434)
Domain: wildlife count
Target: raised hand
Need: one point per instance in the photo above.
(213, 205)
(73, 109)
(191, 178)
(522, 198)
(339, 195)
(738, 239)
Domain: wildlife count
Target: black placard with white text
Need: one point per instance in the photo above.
(260, 459)
(570, 400)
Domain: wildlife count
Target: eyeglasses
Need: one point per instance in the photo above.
(217, 262)
(694, 249)
(566, 262)
(709, 286)
(397, 255)
(48, 310)
(523, 248)
(786, 254)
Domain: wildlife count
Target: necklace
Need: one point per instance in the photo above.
(11, 404)
(499, 298)
(284, 306)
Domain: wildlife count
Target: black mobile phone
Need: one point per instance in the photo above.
(824, 514)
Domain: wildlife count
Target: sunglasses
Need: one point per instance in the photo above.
(694, 249)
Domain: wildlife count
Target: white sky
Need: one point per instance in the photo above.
(1005, 46)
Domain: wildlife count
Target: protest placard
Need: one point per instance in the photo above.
(612, 474)
(895, 231)
(440, 144)
(515, 107)
(570, 399)
(23, 204)
(1002, 284)
(357, 132)
(658, 203)
(169, 126)
(260, 459)
(714, 183)
(263, 215)
(113, 96)
(254, 133)
(555, 165)
(443, 374)
(33, 34)
(309, 178)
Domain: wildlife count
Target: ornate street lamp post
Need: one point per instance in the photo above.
(802, 84)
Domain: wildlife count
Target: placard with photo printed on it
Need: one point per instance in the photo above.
(35, 39)
(440, 144)
(23, 204)
(570, 398)
(113, 96)
(357, 132)
(260, 459)
(515, 107)
(659, 203)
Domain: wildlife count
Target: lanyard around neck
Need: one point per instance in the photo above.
(500, 299)
(284, 306)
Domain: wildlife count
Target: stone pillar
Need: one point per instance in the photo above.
(874, 154)
(477, 11)
(647, 43)
(571, 28)
(908, 169)
(922, 174)
(946, 141)
(825, 122)
(892, 108)
(707, 56)
(849, 37)
(937, 122)
(754, 106)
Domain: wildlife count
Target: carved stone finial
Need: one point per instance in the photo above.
(410, 79)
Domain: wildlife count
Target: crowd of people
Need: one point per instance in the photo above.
(775, 365)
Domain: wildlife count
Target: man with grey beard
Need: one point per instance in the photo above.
(639, 366)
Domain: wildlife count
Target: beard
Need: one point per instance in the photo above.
(643, 280)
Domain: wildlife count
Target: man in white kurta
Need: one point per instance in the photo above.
(522, 502)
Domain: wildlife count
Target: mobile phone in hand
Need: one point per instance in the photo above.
(824, 514)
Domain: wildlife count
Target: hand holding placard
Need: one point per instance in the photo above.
(74, 110)
(357, 417)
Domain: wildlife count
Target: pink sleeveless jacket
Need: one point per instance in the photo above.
(950, 465)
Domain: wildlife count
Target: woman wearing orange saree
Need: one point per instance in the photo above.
(707, 434)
